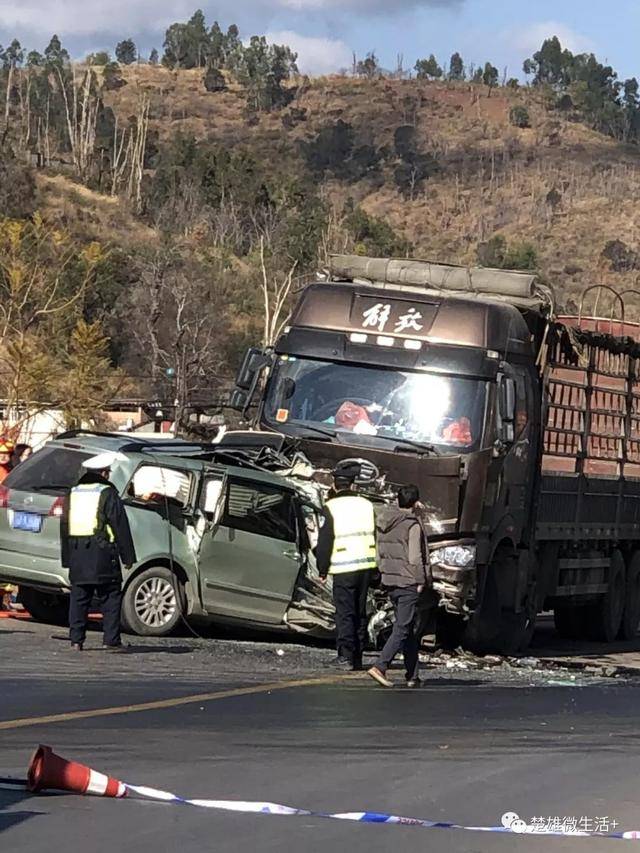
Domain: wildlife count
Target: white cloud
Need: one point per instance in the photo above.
(315, 55)
(528, 39)
(390, 7)
(90, 17)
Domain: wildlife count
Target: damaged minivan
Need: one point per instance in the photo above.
(216, 537)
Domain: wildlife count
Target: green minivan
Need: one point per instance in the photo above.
(227, 542)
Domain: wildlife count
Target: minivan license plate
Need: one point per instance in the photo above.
(30, 521)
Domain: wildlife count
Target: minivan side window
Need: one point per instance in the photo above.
(154, 484)
(51, 471)
(260, 509)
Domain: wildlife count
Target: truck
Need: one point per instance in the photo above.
(519, 425)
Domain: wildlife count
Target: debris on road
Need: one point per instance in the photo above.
(460, 659)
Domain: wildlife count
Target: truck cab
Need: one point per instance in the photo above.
(434, 385)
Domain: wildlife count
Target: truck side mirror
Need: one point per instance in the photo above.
(238, 399)
(254, 360)
(506, 409)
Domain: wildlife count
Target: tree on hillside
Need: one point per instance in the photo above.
(153, 57)
(428, 69)
(44, 279)
(13, 56)
(176, 320)
(177, 47)
(126, 52)
(456, 67)
(199, 38)
(490, 76)
(88, 381)
(35, 59)
(55, 55)
(368, 67)
(233, 49)
(263, 71)
(101, 58)
(551, 64)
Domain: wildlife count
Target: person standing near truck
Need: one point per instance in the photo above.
(95, 539)
(403, 560)
(347, 551)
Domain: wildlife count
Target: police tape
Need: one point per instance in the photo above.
(511, 824)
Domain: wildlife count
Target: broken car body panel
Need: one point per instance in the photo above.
(237, 536)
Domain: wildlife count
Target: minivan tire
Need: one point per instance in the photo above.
(152, 603)
(48, 607)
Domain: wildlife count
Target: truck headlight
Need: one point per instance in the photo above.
(457, 556)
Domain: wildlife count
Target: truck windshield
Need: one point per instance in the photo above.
(369, 401)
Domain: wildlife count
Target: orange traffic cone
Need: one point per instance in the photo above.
(48, 770)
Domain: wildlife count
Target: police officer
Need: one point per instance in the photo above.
(347, 551)
(95, 538)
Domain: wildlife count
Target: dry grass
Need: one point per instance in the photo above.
(493, 178)
(91, 214)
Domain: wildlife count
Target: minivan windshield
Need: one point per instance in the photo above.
(448, 411)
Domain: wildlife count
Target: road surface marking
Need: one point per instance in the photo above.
(171, 703)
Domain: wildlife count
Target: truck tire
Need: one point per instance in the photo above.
(48, 607)
(631, 614)
(450, 630)
(569, 620)
(153, 602)
(495, 628)
(605, 617)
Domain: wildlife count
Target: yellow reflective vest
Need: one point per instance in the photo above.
(354, 546)
(84, 502)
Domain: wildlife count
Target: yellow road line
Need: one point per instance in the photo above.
(169, 703)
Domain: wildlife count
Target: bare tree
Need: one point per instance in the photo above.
(129, 146)
(176, 323)
(81, 112)
(275, 293)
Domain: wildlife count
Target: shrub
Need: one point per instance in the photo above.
(214, 80)
(519, 116)
(496, 253)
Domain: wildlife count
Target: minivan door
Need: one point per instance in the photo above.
(249, 557)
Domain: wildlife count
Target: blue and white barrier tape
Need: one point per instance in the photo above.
(364, 817)
(514, 827)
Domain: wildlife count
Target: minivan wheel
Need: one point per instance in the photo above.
(152, 603)
(48, 607)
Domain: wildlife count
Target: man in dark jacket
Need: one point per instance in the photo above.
(95, 538)
(403, 561)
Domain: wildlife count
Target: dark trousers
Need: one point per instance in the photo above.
(350, 599)
(109, 599)
(403, 636)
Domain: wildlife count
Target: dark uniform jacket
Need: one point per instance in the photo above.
(402, 548)
(95, 559)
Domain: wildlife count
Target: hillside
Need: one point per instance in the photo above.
(563, 188)
(198, 204)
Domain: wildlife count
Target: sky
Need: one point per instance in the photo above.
(327, 32)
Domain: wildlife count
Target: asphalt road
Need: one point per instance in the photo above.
(466, 748)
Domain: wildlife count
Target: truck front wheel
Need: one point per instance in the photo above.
(496, 627)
